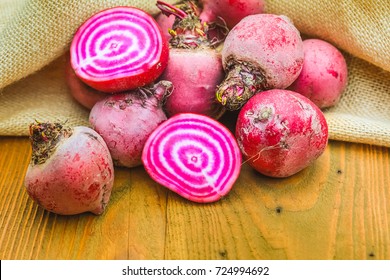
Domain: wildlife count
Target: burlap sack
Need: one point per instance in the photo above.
(34, 36)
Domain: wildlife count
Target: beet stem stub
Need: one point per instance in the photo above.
(44, 137)
(194, 156)
(188, 31)
(160, 91)
(240, 84)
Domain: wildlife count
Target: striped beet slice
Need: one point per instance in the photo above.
(119, 49)
(194, 156)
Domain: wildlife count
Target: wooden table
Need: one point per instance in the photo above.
(338, 208)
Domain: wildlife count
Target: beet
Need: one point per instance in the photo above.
(194, 66)
(261, 52)
(281, 132)
(126, 120)
(324, 75)
(194, 156)
(71, 170)
(81, 92)
(119, 49)
(195, 76)
(231, 11)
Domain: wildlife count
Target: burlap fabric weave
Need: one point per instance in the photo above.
(35, 35)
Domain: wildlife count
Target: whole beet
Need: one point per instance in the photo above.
(71, 170)
(194, 66)
(81, 92)
(324, 75)
(231, 11)
(195, 75)
(280, 132)
(126, 120)
(261, 52)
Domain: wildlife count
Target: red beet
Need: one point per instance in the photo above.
(194, 67)
(324, 75)
(194, 156)
(71, 170)
(232, 11)
(82, 93)
(119, 49)
(195, 76)
(261, 52)
(280, 132)
(126, 120)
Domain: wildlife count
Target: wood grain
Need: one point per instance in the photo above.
(338, 208)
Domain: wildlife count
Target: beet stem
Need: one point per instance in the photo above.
(240, 84)
(168, 9)
(160, 91)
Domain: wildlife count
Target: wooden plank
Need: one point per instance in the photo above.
(335, 209)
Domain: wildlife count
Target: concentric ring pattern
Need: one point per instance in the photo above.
(196, 157)
(116, 42)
